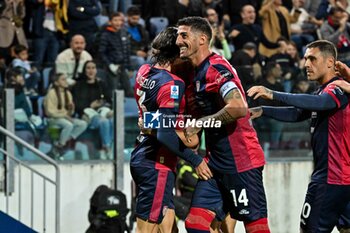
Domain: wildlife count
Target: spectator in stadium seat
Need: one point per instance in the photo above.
(45, 30)
(114, 51)
(302, 86)
(139, 38)
(243, 60)
(303, 31)
(81, 20)
(325, 6)
(11, 30)
(70, 61)
(232, 9)
(16, 81)
(275, 20)
(337, 30)
(219, 43)
(292, 50)
(30, 73)
(92, 92)
(287, 64)
(249, 31)
(59, 108)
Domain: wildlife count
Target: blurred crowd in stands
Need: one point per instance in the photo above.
(66, 57)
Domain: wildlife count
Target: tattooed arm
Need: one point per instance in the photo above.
(235, 108)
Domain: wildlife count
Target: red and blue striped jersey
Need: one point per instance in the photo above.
(156, 89)
(234, 147)
(330, 139)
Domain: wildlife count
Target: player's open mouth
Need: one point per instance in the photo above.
(183, 49)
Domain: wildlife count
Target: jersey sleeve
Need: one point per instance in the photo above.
(337, 95)
(222, 80)
(171, 104)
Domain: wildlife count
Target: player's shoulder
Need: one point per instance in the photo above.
(219, 66)
(168, 78)
(332, 88)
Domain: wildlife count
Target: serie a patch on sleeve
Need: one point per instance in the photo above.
(226, 88)
(174, 92)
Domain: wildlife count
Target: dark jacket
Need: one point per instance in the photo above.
(114, 47)
(37, 17)
(83, 22)
(84, 94)
(251, 33)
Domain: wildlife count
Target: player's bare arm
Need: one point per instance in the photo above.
(235, 108)
(342, 70)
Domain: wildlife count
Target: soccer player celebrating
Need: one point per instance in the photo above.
(160, 95)
(328, 193)
(235, 155)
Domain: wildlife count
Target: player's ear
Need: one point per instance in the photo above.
(330, 62)
(203, 39)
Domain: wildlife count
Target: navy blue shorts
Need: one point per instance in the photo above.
(155, 193)
(242, 195)
(325, 205)
(344, 221)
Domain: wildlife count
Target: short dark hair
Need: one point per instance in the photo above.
(249, 46)
(326, 47)
(198, 24)
(164, 46)
(19, 48)
(269, 67)
(335, 9)
(115, 14)
(133, 10)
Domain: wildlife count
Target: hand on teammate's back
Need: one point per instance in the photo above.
(203, 171)
(190, 131)
(255, 112)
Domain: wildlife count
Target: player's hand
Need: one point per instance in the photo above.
(344, 85)
(255, 112)
(190, 131)
(143, 130)
(342, 70)
(203, 171)
(260, 91)
(191, 142)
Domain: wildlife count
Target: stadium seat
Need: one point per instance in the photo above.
(157, 24)
(130, 107)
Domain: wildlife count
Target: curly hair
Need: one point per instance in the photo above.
(164, 46)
